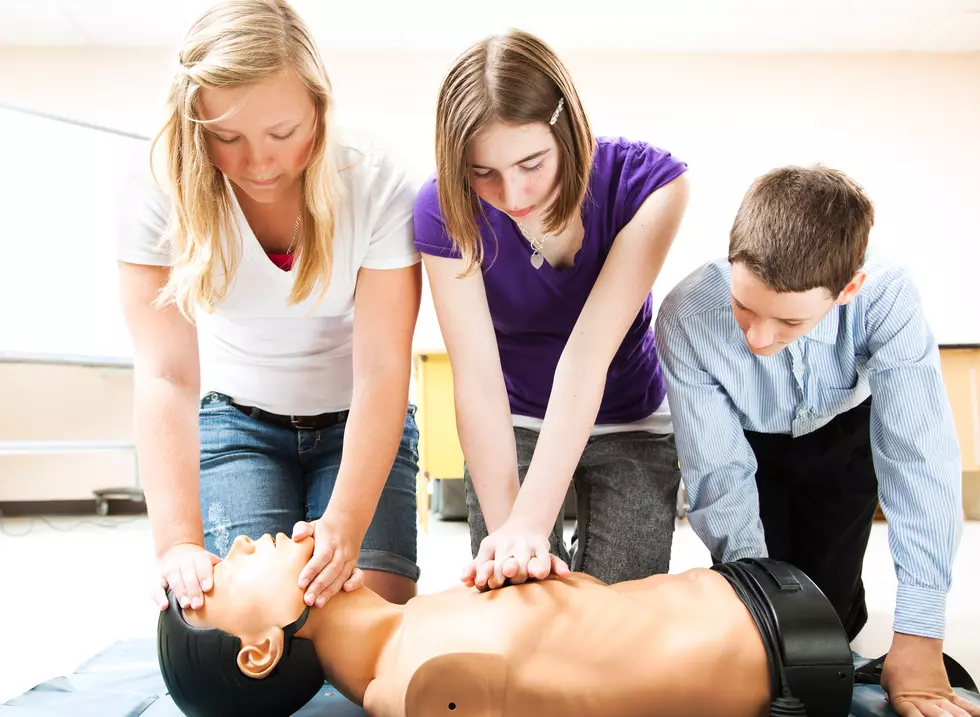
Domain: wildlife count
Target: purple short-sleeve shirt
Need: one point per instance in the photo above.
(534, 310)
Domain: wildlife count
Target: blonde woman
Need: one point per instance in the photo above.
(541, 244)
(271, 293)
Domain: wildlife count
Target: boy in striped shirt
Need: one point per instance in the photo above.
(805, 388)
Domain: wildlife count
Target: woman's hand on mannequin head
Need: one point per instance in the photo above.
(333, 566)
(188, 570)
(513, 554)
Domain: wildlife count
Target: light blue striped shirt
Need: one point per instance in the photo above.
(880, 345)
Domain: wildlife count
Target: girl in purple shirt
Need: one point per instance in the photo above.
(541, 243)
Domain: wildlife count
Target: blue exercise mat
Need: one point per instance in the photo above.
(125, 681)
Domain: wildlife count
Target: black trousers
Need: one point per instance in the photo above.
(817, 499)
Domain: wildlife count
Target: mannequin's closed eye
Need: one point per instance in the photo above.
(459, 685)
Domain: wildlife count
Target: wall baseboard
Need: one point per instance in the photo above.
(33, 508)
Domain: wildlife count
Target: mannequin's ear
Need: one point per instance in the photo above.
(261, 653)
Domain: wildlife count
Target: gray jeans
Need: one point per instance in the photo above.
(626, 501)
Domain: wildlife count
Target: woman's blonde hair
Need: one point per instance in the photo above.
(515, 79)
(239, 42)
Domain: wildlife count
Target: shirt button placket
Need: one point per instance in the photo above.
(800, 375)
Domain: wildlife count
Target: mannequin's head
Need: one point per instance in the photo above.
(239, 654)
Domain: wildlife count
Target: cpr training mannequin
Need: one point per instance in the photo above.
(664, 645)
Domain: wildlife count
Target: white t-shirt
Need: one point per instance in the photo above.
(255, 346)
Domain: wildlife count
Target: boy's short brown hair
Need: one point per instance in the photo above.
(802, 228)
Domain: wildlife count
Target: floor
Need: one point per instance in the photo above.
(73, 586)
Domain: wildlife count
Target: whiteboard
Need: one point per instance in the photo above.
(906, 129)
(60, 189)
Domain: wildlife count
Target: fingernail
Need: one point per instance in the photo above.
(308, 599)
(184, 602)
(206, 585)
(197, 603)
(321, 601)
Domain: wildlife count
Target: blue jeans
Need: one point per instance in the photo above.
(259, 478)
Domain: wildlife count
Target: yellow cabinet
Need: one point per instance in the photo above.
(440, 455)
(961, 374)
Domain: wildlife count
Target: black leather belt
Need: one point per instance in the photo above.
(309, 423)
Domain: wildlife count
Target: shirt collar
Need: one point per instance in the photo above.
(826, 331)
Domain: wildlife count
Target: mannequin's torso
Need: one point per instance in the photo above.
(665, 645)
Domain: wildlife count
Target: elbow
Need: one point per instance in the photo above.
(180, 380)
(387, 377)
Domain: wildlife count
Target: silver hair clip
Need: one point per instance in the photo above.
(554, 117)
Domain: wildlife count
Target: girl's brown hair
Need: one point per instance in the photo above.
(515, 79)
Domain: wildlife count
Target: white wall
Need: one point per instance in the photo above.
(904, 125)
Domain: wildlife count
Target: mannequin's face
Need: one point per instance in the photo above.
(255, 587)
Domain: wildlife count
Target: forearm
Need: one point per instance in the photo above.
(717, 464)
(486, 435)
(918, 463)
(576, 395)
(722, 494)
(729, 526)
(168, 450)
(924, 518)
(372, 435)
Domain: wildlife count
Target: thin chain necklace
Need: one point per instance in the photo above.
(295, 233)
(537, 260)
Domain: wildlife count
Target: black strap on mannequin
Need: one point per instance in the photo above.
(784, 704)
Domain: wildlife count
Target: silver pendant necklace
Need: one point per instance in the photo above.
(537, 260)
